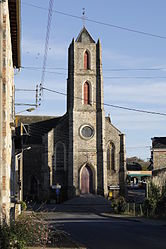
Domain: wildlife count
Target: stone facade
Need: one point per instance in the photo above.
(158, 153)
(82, 151)
(158, 160)
(6, 107)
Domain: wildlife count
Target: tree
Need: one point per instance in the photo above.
(135, 163)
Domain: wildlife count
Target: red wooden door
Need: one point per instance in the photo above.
(86, 180)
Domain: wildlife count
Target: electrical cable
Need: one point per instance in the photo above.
(24, 90)
(51, 2)
(113, 69)
(111, 105)
(99, 22)
(108, 77)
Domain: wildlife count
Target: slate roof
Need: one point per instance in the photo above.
(29, 119)
(35, 128)
(159, 143)
(39, 125)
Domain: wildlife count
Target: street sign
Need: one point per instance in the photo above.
(57, 186)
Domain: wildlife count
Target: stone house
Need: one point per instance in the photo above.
(82, 151)
(9, 59)
(158, 160)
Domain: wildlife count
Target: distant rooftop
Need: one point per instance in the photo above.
(37, 125)
(29, 119)
(159, 142)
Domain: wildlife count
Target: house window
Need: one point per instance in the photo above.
(86, 93)
(86, 60)
(111, 157)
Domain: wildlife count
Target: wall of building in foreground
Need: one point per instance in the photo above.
(6, 110)
(159, 158)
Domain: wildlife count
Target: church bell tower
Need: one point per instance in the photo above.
(86, 169)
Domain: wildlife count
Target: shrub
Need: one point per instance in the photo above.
(161, 204)
(155, 204)
(27, 230)
(119, 205)
(154, 192)
(23, 205)
(149, 206)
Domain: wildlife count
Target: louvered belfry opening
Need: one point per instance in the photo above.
(86, 60)
(86, 93)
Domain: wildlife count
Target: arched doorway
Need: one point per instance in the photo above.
(86, 180)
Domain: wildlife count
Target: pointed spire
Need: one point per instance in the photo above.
(84, 36)
(99, 43)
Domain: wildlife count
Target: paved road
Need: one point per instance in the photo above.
(136, 195)
(98, 231)
(87, 219)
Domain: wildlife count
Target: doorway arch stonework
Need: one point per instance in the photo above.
(86, 180)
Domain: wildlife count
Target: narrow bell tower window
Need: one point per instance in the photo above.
(86, 60)
(86, 93)
(111, 157)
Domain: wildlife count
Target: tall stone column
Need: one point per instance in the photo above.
(122, 170)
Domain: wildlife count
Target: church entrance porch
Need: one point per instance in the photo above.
(86, 180)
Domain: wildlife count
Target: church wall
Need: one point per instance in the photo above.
(84, 150)
(113, 135)
(61, 135)
(32, 172)
(50, 154)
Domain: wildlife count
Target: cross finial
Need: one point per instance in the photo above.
(83, 16)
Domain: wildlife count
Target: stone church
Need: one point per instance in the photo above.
(82, 151)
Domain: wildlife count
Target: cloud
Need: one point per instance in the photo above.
(144, 93)
(126, 60)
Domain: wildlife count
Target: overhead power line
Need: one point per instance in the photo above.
(111, 105)
(106, 77)
(136, 69)
(101, 23)
(25, 104)
(24, 90)
(51, 2)
(137, 147)
(111, 69)
(134, 77)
